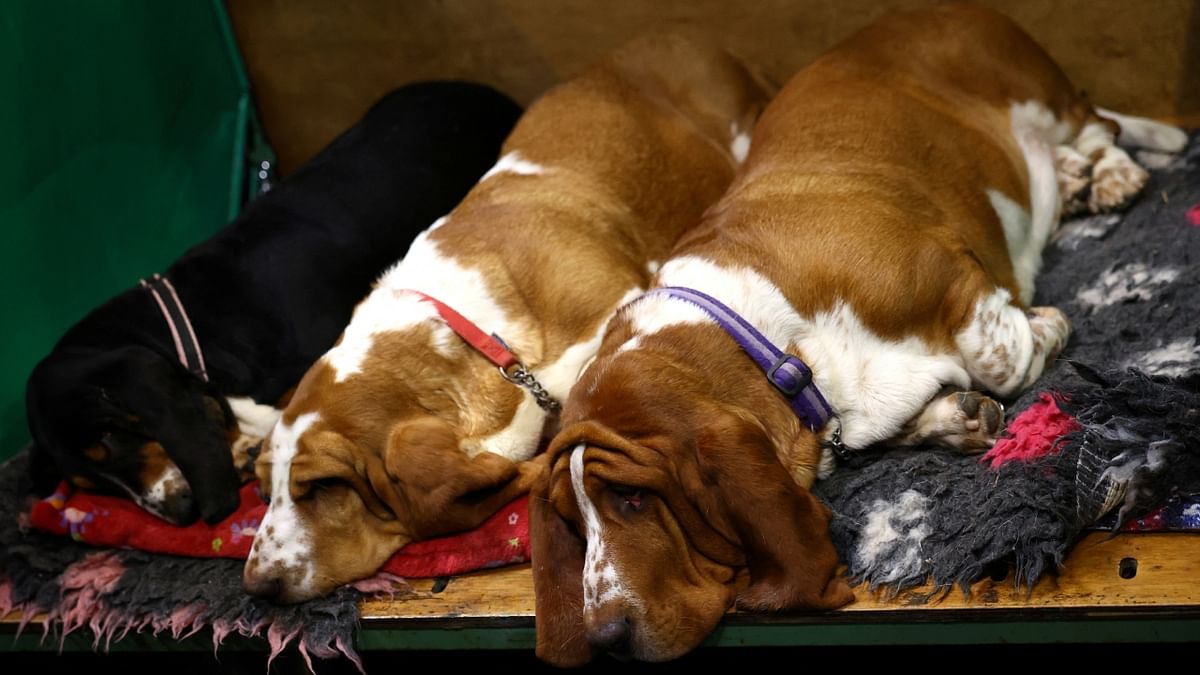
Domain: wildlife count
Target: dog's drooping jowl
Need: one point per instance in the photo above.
(152, 393)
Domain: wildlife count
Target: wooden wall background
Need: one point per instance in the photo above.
(315, 65)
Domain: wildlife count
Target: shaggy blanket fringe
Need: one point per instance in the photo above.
(115, 592)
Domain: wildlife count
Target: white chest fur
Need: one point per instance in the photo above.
(874, 385)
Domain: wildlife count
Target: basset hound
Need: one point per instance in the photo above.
(149, 394)
(866, 278)
(451, 370)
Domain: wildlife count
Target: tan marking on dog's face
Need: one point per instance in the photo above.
(96, 453)
(164, 490)
(155, 463)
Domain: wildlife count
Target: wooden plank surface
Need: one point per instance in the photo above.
(1089, 585)
(1090, 582)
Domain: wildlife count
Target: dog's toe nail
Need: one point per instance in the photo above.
(992, 416)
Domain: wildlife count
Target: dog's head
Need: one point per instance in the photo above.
(359, 466)
(663, 508)
(133, 422)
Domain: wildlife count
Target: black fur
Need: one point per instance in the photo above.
(267, 295)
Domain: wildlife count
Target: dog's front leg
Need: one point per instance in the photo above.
(1006, 348)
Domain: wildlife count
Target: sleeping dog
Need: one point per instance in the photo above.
(867, 277)
(147, 394)
(444, 379)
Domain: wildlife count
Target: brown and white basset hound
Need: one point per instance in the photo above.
(407, 429)
(876, 251)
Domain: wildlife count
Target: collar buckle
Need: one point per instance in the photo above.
(789, 375)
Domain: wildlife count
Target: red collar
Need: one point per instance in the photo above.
(492, 347)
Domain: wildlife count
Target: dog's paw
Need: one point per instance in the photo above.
(1074, 173)
(245, 452)
(980, 418)
(969, 421)
(1116, 180)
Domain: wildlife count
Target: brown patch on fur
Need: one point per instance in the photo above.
(908, 211)
(82, 483)
(155, 463)
(96, 453)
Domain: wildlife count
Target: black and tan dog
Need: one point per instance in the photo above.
(148, 394)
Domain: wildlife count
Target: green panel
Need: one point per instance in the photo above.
(1148, 629)
(124, 130)
(1090, 631)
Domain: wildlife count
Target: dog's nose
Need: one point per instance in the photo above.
(611, 635)
(178, 508)
(263, 586)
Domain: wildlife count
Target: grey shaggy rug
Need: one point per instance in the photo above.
(1130, 379)
(113, 592)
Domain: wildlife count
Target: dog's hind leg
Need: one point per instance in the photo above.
(254, 419)
(1074, 172)
(254, 422)
(1095, 173)
(1116, 178)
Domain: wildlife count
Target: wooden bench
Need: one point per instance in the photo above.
(1136, 587)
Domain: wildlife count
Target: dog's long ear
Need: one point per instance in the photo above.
(444, 490)
(43, 471)
(46, 392)
(558, 553)
(201, 452)
(783, 528)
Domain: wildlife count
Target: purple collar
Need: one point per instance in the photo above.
(787, 373)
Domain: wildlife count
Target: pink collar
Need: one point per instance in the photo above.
(187, 347)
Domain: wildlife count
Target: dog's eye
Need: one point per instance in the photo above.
(307, 489)
(110, 445)
(329, 484)
(628, 498)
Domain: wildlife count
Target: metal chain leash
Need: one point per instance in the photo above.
(521, 377)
